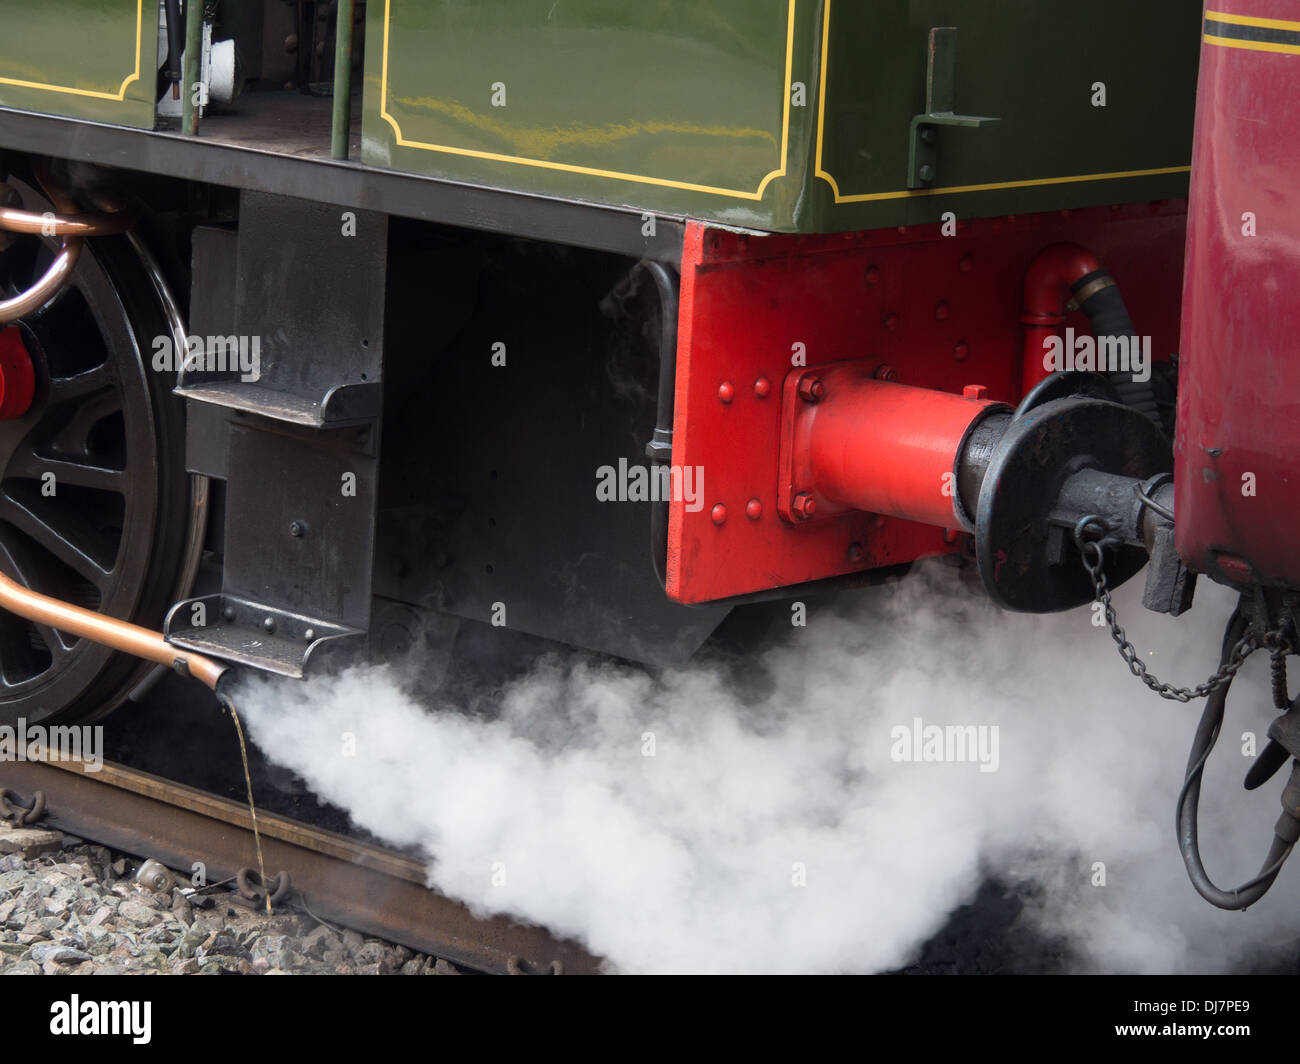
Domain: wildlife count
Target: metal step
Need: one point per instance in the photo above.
(250, 633)
(341, 406)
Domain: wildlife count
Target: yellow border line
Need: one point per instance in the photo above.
(1251, 20)
(869, 197)
(592, 171)
(118, 96)
(1253, 46)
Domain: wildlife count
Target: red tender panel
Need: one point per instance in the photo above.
(941, 312)
(1239, 381)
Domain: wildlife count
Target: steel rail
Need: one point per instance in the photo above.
(352, 883)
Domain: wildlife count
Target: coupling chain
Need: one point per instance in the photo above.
(1092, 536)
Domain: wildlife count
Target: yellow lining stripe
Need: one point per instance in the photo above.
(594, 171)
(953, 189)
(119, 95)
(1251, 20)
(1253, 46)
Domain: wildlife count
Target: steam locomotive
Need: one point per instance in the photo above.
(329, 323)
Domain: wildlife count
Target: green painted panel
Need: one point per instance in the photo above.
(667, 104)
(685, 106)
(1037, 66)
(92, 59)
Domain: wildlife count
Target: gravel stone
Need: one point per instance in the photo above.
(138, 913)
(56, 954)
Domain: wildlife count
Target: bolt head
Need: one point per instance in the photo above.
(228, 613)
(726, 392)
(975, 391)
(297, 528)
(719, 514)
(812, 389)
(753, 509)
(926, 173)
(762, 387)
(886, 373)
(804, 506)
(269, 624)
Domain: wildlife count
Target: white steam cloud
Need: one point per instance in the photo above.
(771, 830)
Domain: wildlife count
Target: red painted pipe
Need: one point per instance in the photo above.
(887, 448)
(1047, 285)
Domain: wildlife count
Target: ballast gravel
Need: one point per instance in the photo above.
(78, 911)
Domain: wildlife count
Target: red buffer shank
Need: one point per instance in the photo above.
(874, 446)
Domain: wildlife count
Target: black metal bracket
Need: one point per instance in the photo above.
(940, 109)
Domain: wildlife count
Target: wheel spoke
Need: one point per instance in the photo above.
(17, 663)
(27, 463)
(79, 385)
(74, 437)
(73, 541)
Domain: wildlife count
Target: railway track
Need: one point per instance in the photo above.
(368, 888)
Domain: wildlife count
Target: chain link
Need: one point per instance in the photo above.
(1093, 553)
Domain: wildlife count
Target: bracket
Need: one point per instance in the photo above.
(940, 104)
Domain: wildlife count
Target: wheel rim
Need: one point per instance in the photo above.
(93, 491)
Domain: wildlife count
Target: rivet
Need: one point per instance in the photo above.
(960, 352)
(269, 624)
(762, 387)
(873, 275)
(942, 311)
(310, 634)
(719, 514)
(753, 509)
(228, 613)
(726, 392)
(891, 322)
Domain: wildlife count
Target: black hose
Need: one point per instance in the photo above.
(175, 41)
(1207, 734)
(1109, 318)
(660, 447)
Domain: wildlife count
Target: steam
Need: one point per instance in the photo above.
(772, 830)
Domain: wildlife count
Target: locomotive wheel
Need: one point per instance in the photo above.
(95, 501)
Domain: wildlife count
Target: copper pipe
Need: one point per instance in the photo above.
(70, 226)
(47, 287)
(51, 224)
(107, 631)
